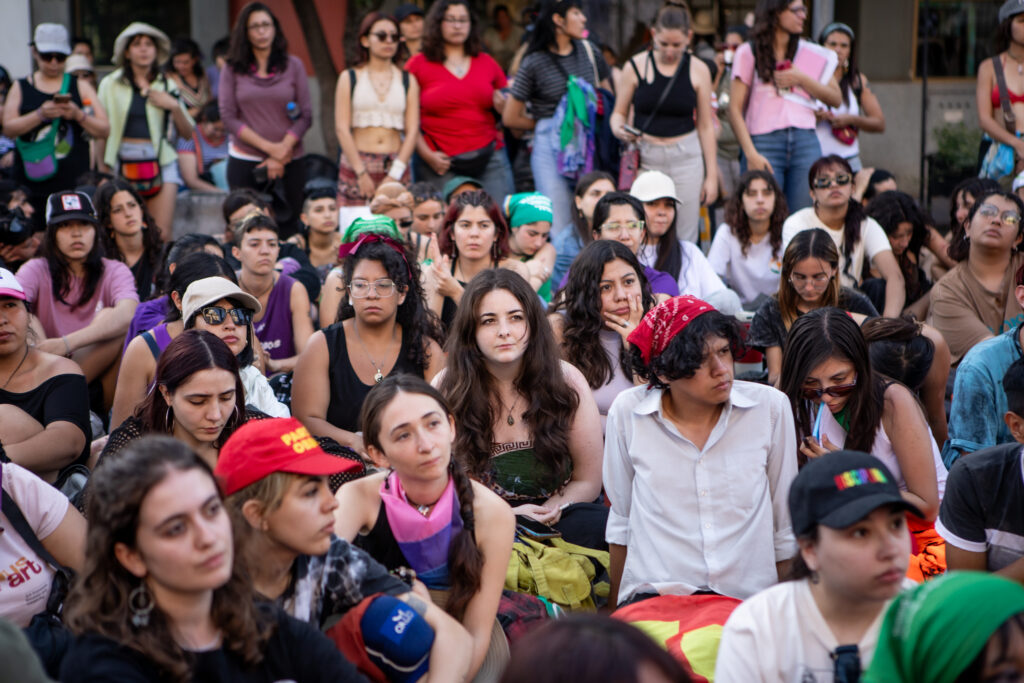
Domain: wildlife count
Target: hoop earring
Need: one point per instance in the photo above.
(169, 417)
(140, 604)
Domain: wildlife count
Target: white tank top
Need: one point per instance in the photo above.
(830, 144)
(368, 111)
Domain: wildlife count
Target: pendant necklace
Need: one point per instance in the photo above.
(378, 376)
(510, 420)
(1019, 60)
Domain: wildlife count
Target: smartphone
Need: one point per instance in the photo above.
(631, 130)
(62, 98)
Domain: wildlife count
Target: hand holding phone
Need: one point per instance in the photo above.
(631, 130)
(61, 98)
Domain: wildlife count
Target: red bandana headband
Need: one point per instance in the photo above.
(665, 321)
(368, 237)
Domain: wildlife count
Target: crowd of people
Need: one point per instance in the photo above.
(555, 335)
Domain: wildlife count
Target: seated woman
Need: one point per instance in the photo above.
(602, 303)
(808, 281)
(138, 364)
(44, 402)
(282, 511)
(989, 609)
(975, 300)
(746, 250)
(474, 239)
(427, 209)
(385, 328)
(529, 217)
(197, 397)
(83, 302)
(335, 290)
(162, 594)
(424, 512)
(396, 202)
(916, 355)
(570, 239)
(320, 218)
(664, 251)
(860, 240)
(129, 233)
(839, 401)
(907, 229)
(529, 427)
(854, 549)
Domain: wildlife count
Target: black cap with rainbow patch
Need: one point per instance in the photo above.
(841, 488)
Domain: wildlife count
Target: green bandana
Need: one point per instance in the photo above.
(934, 631)
(843, 418)
(527, 207)
(382, 225)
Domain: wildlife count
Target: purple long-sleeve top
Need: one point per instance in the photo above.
(248, 101)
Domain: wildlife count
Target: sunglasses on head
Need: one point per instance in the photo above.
(385, 37)
(835, 391)
(841, 179)
(215, 315)
(51, 56)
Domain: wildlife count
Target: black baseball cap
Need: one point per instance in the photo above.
(407, 10)
(841, 488)
(69, 206)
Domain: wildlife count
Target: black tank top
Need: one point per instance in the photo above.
(136, 125)
(380, 544)
(675, 116)
(347, 391)
(72, 148)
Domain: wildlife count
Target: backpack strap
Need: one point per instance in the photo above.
(593, 62)
(21, 526)
(150, 340)
(405, 81)
(1009, 120)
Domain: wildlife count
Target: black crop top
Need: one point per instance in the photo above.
(676, 114)
(136, 125)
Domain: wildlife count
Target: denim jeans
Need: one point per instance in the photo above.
(791, 152)
(546, 178)
(496, 178)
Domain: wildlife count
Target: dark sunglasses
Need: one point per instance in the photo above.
(821, 182)
(385, 37)
(50, 56)
(405, 223)
(835, 391)
(846, 664)
(215, 315)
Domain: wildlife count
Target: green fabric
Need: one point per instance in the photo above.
(517, 475)
(576, 109)
(382, 225)
(116, 97)
(934, 631)
(843, 418)
(528, 207)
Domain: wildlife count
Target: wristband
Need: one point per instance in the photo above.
(397, 169)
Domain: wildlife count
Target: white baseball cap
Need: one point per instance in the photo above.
(10, 287)
(652, 185)
(51, 38)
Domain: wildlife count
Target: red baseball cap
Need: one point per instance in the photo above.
(281, 444)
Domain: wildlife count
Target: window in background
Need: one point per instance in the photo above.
(960, 36)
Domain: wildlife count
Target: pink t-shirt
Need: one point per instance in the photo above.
(767, 110)
(24, 577)
(58, 318)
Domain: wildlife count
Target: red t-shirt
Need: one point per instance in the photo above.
(457, 114)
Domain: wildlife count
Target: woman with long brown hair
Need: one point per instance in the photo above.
(129, 232)
(163, 594)
(529, 427)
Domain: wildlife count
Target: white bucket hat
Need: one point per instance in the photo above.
(140, 28)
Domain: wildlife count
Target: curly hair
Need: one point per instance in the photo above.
(433, 42)
(816, 337)
(465, 561)
(473, 393)
(152, 245)
(99, 601)
(461, 202)
(415, 318)
(737, 219)
(240, 56)
(762, 37)
(580, 300)
(688, 350)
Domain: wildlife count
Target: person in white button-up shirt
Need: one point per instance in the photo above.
(697, 468)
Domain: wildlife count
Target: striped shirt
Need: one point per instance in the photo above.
(540, 83)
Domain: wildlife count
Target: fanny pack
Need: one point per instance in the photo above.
(39, 157)
(144, 174)
(472, 163)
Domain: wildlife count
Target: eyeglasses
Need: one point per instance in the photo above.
(846, 664)
(835, 391)
(51, 56)
(823, 181)
(405, 223)
(215, 315)
(360, 289)
(262, 26)
(385, 37)
(456, 20)
(619, 228)
(797, 9)
(1010, 218)
(819, 280)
